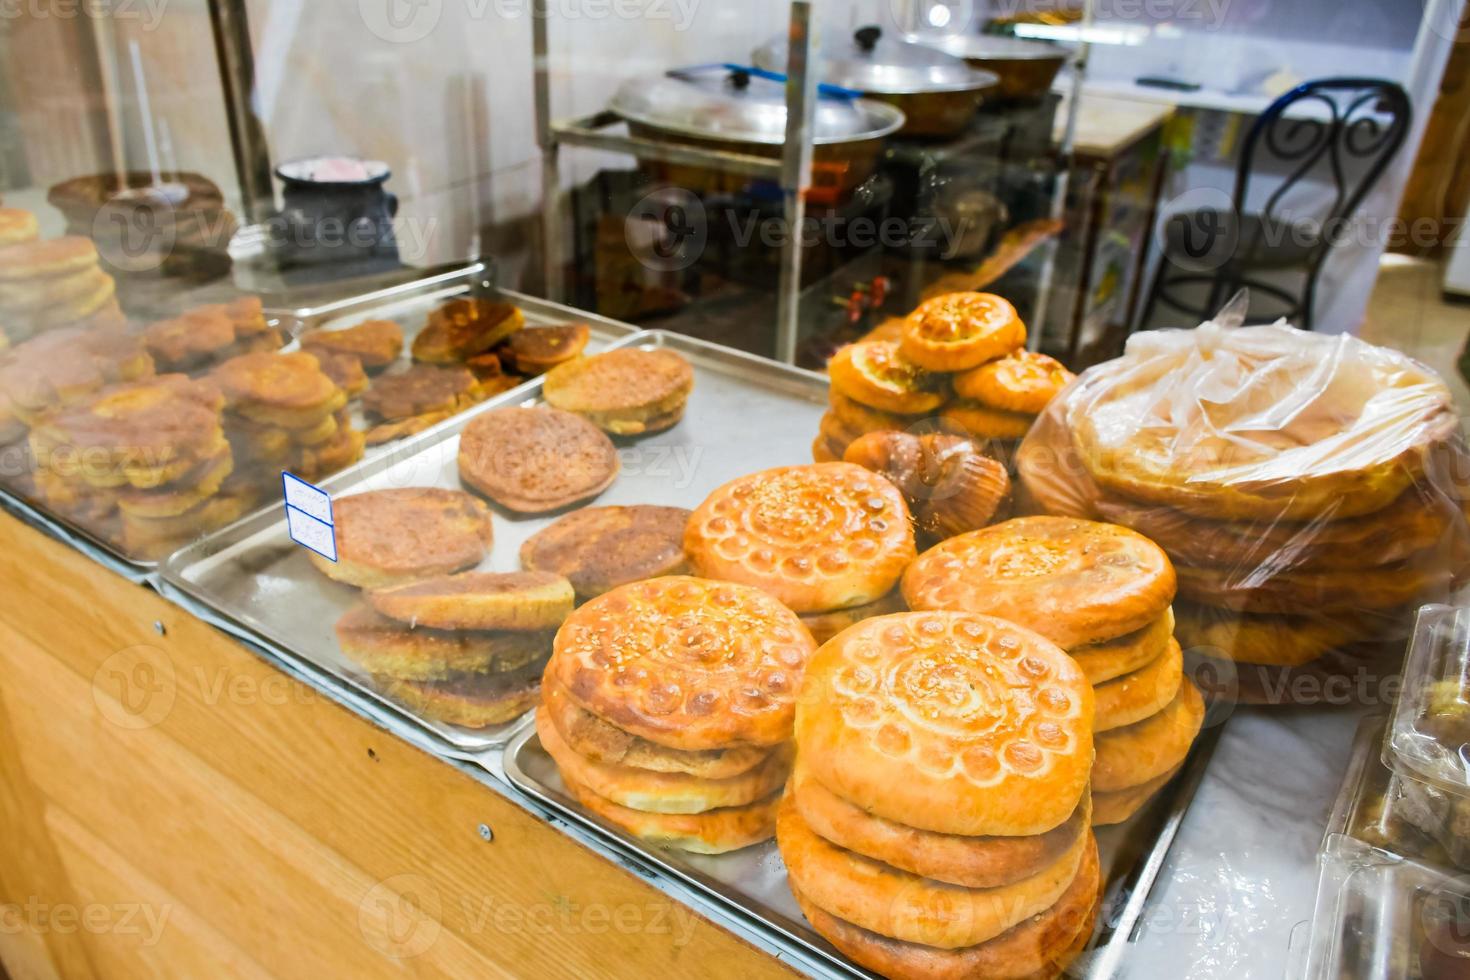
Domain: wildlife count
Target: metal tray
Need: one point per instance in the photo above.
(752, 881)
(253, 574)
(744, 413)
(81, 537)
(408, 304)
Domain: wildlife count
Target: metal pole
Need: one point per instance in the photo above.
(551, 229)
(1047, 279)
(231, 28)
(796, 168)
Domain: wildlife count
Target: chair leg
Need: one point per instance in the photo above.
(1154, 289)
(1309, 301)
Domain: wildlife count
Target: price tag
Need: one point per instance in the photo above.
(309, 516)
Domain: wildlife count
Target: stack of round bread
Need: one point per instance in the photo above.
(464, 647)
(51, 283)
(1101, 593)
(667, 706)
(960, 357)
(142, 463)
(1309, 490)
(284, 412)
(937, 819)
(829, 540)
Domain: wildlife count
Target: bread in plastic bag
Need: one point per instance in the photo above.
(1309, 489)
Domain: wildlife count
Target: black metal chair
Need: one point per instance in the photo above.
(1341, 133)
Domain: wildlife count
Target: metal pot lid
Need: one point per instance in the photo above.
(867, 61)
(717, 102)
(985, 47)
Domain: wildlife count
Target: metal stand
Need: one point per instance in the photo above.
(792, 172)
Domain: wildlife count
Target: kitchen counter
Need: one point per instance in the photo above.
(267, 820)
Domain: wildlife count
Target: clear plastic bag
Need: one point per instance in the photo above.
(1310, 490)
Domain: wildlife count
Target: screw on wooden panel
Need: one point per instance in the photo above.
(159, 628)
(486, 833)
(372, 755)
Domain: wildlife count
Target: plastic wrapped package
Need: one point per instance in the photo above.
(1390, 900)
(1381, 916)
(1310, 491)
(1428, 742)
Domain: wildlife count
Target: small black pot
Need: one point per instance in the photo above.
(331, 216)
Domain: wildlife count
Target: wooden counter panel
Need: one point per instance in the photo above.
(282, 830)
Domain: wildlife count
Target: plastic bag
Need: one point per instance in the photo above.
(1309, 489)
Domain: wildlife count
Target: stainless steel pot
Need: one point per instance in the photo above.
(1026, 68)
(937, 93)
(720, 108)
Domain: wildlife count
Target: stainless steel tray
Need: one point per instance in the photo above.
(252, 573)
(752, 881)
(81, 537)
(744, 413)
(408, 304)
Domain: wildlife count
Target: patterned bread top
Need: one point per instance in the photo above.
(951, 722)
(685, 662)
(955, 317)
(1073, 581)
(819, 537)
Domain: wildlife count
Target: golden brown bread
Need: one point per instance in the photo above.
(524, 601)
(972, 862)
(1283, 641)
(711, 832)
(874, 373)
(958, 331)
(1288, 591)
(950, 722)
(421, 389)
(591, 737)
(464, 327)
(664, 792)
(1120, 805)
(52, 257)
(1023, 381)
(1147, 749)
(1104, 661)
(825, 625)
(1141, 694)
(376, 343)
(389, 537)
(1075, 582)
(535, 460)
(277, 382)
(626, 392)
(536, 350)
(890, 902)
(1040, 948)
(983, 422)
(387, 648)
(470, 700)
(600, 548)
(685, 662)
(820, 537)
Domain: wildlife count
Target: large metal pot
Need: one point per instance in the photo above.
(1026, 68)
(938, 93)
(734, 111)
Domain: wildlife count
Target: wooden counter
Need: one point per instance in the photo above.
(172, 805)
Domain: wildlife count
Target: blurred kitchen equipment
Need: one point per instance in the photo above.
(726, 107)
(939, 94)
(1026, 68)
